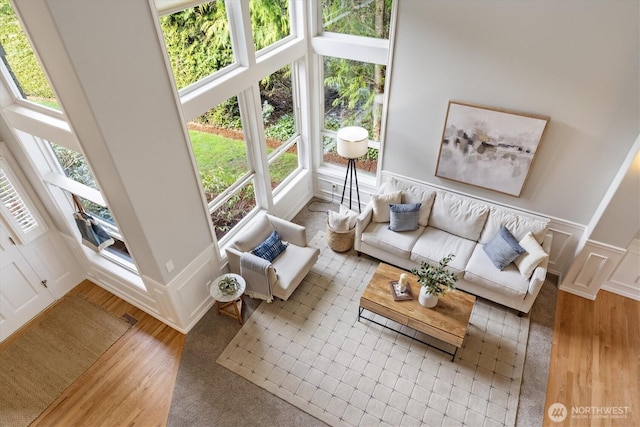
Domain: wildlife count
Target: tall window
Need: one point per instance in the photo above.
(198, 41)
(220, 150)
(353, 88)
(199, 44)
(75, 167)
(21, 63)
(353, 96)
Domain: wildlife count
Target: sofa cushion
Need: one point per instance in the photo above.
(381, 204)
(270, 248)
(254, 235)
(481, 272)
(503, 249)
(434, 244)
(534, 255)
(399, 244)
(457, 215)
(404, 216)
(291, 267)
(519, 225)
(414, 193)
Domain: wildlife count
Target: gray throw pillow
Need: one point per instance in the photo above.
(404, 216)
(503, 248)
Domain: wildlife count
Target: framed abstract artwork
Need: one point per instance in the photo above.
(489, 147)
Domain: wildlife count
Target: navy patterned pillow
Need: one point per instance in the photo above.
(270, 248)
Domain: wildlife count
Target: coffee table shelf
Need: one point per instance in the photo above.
(447, 321)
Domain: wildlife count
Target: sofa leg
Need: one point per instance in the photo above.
(520, 314)
(359, 253)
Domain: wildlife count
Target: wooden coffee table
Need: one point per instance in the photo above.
(447, 321)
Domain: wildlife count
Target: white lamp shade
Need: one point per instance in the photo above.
(353, 142)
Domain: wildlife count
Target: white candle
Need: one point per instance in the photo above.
(403, 280)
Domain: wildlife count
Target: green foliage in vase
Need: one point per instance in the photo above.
(437, 280)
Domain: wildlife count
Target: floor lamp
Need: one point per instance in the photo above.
(353, 142)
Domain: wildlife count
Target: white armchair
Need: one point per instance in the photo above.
(289, 268)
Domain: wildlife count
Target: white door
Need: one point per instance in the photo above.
(22, 295)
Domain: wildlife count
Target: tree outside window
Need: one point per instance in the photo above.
(367, 18)
(198, 41)
(353, 91)
(278, 115)
(75, 167)
(269, 21)
(352, 97)
(18, 57)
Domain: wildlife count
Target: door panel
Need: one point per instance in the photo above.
(22, 296)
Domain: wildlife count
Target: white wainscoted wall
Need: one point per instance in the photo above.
(608, 258)
(625, 278)
(592, 267)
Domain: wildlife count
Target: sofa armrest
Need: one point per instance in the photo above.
(540, 273)
(363, 220)
(293, 233)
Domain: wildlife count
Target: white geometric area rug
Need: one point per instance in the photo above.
(312, 352)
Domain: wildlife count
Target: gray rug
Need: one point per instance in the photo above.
(313, 352)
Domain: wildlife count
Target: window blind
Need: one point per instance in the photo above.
(16, 208)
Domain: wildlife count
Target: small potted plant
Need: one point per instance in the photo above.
(435, 281)
(228, 285)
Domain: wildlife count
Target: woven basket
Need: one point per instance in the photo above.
(340, 241)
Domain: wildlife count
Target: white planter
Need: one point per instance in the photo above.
(427, 300)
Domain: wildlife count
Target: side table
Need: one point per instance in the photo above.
(230, 305)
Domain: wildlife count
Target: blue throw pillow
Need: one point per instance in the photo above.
(404, 216)
(503, 248)
(270, 248)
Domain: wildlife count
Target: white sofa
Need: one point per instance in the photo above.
(452, 223)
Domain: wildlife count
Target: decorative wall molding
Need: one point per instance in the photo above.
(188, 294)
(566, 236)
(591, 268)
(625, 279)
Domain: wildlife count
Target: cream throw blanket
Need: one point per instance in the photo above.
(255, 271)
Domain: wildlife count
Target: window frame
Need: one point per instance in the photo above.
(356, 48)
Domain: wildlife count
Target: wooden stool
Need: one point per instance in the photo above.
(229, 305)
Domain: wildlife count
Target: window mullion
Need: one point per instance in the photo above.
(241, 32)
(251, 111)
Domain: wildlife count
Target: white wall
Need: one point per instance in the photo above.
(574, 61)
(624, 208)
(108, 66)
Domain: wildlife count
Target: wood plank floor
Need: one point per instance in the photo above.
(594, 362)
(132, 382)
